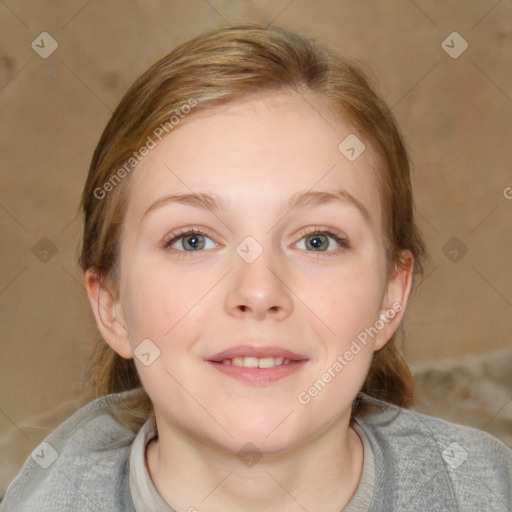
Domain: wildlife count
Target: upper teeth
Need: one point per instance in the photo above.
(255, 362)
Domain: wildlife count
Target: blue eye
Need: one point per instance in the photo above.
(190, 241)
(323, 241)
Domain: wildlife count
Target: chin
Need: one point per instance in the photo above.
(257, 446)
(270, 435)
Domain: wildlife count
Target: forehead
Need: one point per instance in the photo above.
(258, 151)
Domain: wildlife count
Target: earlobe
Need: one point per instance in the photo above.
(395, 300)
(108, 313)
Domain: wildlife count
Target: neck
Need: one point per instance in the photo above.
(322, 472)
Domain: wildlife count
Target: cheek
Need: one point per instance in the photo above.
(348, 301)
(332, 391)
(161, 296)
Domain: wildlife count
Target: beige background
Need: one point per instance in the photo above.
(456, 115)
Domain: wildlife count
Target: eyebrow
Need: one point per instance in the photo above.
(209, 201)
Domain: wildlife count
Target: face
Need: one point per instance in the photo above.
(251, 259)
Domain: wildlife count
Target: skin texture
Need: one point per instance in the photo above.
(255, 154)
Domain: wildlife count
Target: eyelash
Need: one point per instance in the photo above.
(342, 241)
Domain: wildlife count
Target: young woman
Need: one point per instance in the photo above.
(249, 250)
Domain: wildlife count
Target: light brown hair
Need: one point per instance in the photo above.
(220, 67)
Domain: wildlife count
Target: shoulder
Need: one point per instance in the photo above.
(464, 465)
(84, 460)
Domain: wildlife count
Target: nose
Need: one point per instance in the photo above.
(258, 289)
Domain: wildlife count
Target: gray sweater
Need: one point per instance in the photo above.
(420, 463)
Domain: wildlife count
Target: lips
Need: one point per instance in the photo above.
(262, 365)
(251, 352)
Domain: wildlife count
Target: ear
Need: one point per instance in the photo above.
(395, 299)
(108, 313)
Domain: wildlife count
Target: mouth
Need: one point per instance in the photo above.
(257, 365)
(256, 362)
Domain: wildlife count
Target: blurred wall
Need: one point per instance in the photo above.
(454, 105)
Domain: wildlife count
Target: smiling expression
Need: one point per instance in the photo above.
(252, 255)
